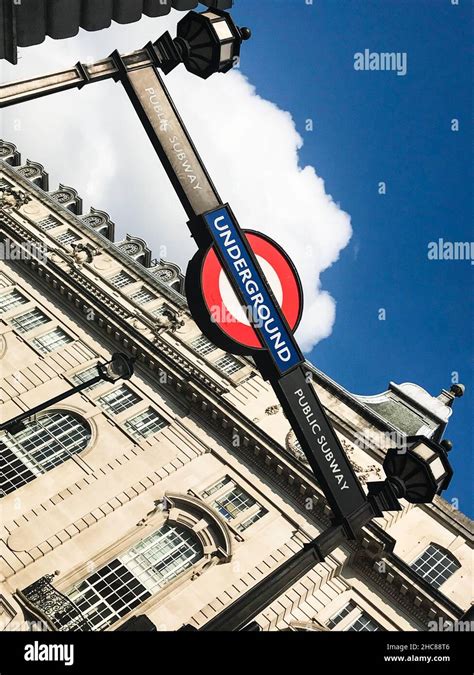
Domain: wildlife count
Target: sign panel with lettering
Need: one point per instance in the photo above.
(274, 334)
(170, 139)
(320, 443)
(223, 305)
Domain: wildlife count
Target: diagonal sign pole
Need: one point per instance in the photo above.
(209, 218)
(213, 225)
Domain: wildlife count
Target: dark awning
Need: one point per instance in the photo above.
(29, 23)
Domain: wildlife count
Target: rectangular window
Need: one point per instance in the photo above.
(337, 618)
(86, 375)
(228, 364)
(68, 237)
(121, 279)
(49, 223)
(203, 346)
(435, 565)
(11, 300)
(250, 521)
(32, 319)
(364, 623)
(118, 400)
(146, 423)
(233, 503)
(358, 619)
(216, 487)
(142, 296)
(53, 340)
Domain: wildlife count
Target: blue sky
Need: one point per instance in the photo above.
(377, 126)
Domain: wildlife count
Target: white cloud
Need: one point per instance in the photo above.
(93, 141)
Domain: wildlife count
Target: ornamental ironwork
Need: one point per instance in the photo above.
(59, 612)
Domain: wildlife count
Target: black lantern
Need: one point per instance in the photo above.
(416, 473)
(120, 367)
(206, 43)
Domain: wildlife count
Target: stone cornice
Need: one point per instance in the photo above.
(102, 242)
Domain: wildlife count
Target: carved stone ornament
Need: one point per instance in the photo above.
(165, 274)
(130, 248)
(63, 197)
(29, 171)
(82, 253)
(93, 220)
(13, 198)
(168, 321)
(273, 410)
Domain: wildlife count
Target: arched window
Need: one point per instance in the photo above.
(39, 446)
(435, 565)
(127, 581)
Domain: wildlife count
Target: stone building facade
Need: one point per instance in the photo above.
(168, 495)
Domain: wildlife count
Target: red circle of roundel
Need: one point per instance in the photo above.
(291, 305)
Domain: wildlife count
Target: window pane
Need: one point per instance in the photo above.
(361, 620)
(337, 618)
(118, 400)
(32, 319)
(142, 296)
(161, 310)
(53, 340)
(217, 486)
(146, 423)
(364, 623)
(228, 364)
(86, 375)
(11, 300)
(202, 345)
(233, 502)
(253, 519)
(435, 565)
(40, 446)
(49, 223)
(121, 279)
(117, 588)
(68, 237)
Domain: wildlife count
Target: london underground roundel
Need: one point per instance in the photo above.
(224, 307)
